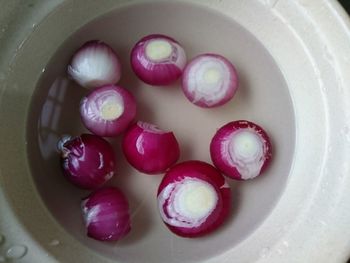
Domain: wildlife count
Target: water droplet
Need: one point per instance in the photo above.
(285, 243)
(33, 25)
(16, 252)
(2, 258)
(323, 223)
(264, 252)
(327, 54)
(43, 70)
(330, 149)
(54, 242)
(346, 133)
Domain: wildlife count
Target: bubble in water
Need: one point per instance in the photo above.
(264, 252)
(16, 252)
(2, 258)
(54, 242)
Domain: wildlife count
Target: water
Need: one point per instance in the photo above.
(2, 258)
(16, 252)
(2, 239)
(57, 114)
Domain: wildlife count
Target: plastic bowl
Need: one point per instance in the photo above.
(292, 58)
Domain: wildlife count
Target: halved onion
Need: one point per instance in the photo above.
(209, 80)
(108, 110)
(193, 199)
(241, 150)
(158, 59)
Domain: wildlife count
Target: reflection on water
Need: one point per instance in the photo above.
(50, 114)
(57, 115)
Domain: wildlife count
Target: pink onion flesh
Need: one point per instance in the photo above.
(193, 199)
(209, 80)
(88, 161)
(95, 64)
(106, 214)
(150, 149)
(241, 150)
(108, 110)
(158, 59)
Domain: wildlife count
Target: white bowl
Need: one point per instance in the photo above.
(293, 58)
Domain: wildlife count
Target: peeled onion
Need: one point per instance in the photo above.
(193, 199)
(106, 214)
(150, 149)
(209, 80)
(241, 150)
(108, 110)
(158, 59)
(95, 64)
(88, 161)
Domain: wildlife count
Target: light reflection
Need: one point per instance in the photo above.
(49, 118)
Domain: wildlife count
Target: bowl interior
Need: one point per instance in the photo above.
(263, 97)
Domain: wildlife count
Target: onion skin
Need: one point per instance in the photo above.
(149, 149)
(218, 147)
(201, 171)
(106, 214)
(95, 64)
(209, 98)
(88, 161)
(162, 72)
(90, 111)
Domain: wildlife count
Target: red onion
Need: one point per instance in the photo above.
(108, 110)
(95, 64)
(209, 80)
(88, 161)
(193, 199)
(106, 214)
(158, 59)
(241, 150)
(149, 149)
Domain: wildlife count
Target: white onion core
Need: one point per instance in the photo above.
(158, 49)
(111, 110)
(246, 150)
(188, 202)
